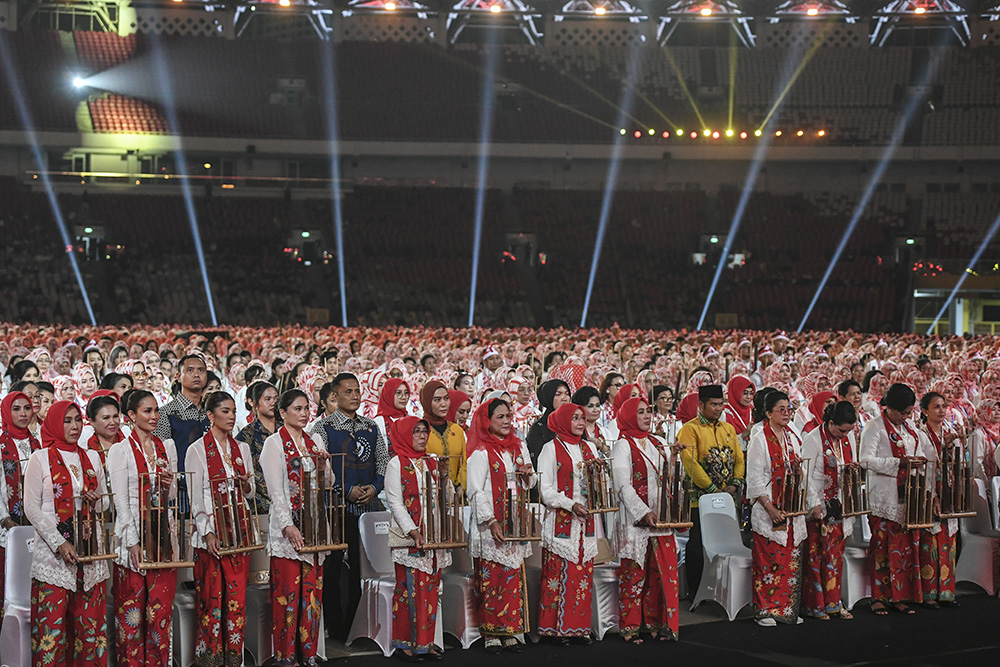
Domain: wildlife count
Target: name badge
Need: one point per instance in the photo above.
(381, 527)
(718, 503)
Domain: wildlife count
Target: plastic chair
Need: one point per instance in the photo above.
(979, 543)
(726, 576)
(460, 615)
(184, 618)
(856, 582)
(15, 636)
(374, 616)
(604, 610)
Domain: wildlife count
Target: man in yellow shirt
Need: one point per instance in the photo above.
(714, 463)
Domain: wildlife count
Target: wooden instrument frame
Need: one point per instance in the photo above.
(673, 495)
(442, 507)
(853, 490)
(599, 485)
(522, 519)
(236, 511)
(177, 527)
(103, 544)
(918, 494)
(325, 502)
(791, 496)
(956, 482)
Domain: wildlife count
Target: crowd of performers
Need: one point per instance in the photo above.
(112, 416)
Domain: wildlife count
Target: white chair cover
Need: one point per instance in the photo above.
(15, 636)
(856, 583)
(976, 563)
(604, 611)
(460, 616)
(726, 576)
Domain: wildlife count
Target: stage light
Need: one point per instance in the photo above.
(821, 133)
(666, 134)
(716, 135)
(495, 9)
(679, 132)
(305, 235)
(910, 241)
(706, 11)
(743, 135)
(652, 131)
(757, 133)
(621, 131)
(79, 82)
(812, 11)
(799, 133)
(694, 135)
(390, 6)
(637, 134)
(730, 132)
(714, 239)
(285, 3)
(178, 1)
(707, 132)
(777, 133)
(207, 165)
(919, 10)
(600, 11)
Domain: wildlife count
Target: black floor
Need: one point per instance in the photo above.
(968, 636)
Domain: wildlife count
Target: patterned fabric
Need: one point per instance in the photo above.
(647, 592)
(781, 455)
(11, 458)
(254, 434)
(937, 566)
(68, 629)
(821, 592)
(713, 458)
(777, 579)
(220, 482)
(293, 466)
(895, 554)
(898, 449)
(220, 589)
(502, 599)
(564, 481)
(143, 615)
(296, 605)
(565, 600)
(831, 462)
(366, 454)
(414, 609)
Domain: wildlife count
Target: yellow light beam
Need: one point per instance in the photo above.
(652, 106)
(680, 79)
(817, 42)
(732, 75)
(597, 94)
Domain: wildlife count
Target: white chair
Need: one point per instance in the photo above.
(726, 576)
(977, 560)
(374, 616)
(604, 610)
(15, 636)
(856, 581)
(994, 508)
(184, 619)
(460, 616)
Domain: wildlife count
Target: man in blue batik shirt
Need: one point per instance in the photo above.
(365, 457)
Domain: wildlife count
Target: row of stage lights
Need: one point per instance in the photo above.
(719, 134)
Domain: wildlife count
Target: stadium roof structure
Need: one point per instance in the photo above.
(530, 18)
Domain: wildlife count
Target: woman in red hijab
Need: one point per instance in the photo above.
(418, 571)
(624, 394)
(495, 455)
(817, 404)
(739, 406)
(458, 411)
(446, 438)
(569, 541)
(392, 402)
(647, 583)
(69, 605)
(16, 445)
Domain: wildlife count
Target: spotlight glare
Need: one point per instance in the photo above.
(79, 82)
(730, 132)
(285, 3)
(494, 9)
(812, 11)
(706, 11)
(716, 135)
(920, 10)
(637, 134)
(799, 133)
(743, 135)
(666, 134)
(306, 235)
(714, 239)
(621, 131)
(694, 135)
(777, 133)
(821, 133)
(652, 131)
(207, 165)
(88, 230)
(707, 132)
(679, 132)
(390, 6)
(600, 11)
(910, 241)
(757, 133)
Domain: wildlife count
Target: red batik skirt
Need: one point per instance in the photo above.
(502, 597)
(566, 599)
(777, 579)
(647, 592)
(895, 562)
(821, 591)
(414, 609)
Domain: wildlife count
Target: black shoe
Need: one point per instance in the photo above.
(413, 657)
(586, 641)
(493, 646)
(433, 655)
(513, 647)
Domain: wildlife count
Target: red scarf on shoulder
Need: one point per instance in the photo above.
(777, 454)
(559, 423)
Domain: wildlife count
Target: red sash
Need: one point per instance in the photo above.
(218, 480)
(898, 450)
(779, 455)
(62, 489)
(564, 482)
(141, 468)
(11, 457)
(293, 466)
(498, 482)
(640, 480)
(94, 443)
(831, 471)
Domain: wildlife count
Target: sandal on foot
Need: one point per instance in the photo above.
(902, 608)
(493, 646)
(632, 639)
(844, 614)
(878, 608)
(932, 604)
(511, 644)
